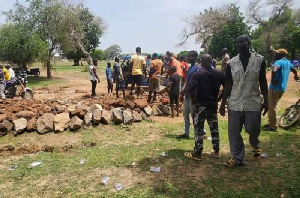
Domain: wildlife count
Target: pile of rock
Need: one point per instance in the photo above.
(21, 116)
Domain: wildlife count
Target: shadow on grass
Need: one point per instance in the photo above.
(266, 177)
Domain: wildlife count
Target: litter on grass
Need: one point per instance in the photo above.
(105, 180)
(83, 161)
(279, 155)
(35, 164)
(133, 164)
(118, 186)
(264, 155)
(209, 138)
(164, 154)
(155, 169)
(12, 167)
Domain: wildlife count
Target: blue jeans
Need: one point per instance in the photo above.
(188, 110)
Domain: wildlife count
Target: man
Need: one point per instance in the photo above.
(120, 82)
(109, 78)
(2, 83)
(280, 76)
(184, 67)
(174, 88)
(138, 63)
(225, 60)
(155, 71)
(187, 103)
(204, 91)
(176, 64)
(6, 73)
(11, 71)
(93, 77)
(245, 80)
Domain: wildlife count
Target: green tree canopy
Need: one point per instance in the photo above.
(20, 45)
(98, 54)
(225, 38)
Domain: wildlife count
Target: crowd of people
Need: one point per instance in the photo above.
(198, 86)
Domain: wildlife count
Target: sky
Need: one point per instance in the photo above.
(153, 25)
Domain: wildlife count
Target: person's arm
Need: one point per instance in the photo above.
(227, 89)
(192, 87)
(95, 72)
(295, 73)
(263, 84)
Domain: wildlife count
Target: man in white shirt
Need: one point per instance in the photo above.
(93, 77)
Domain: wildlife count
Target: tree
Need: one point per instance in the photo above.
(98, 54)
(268, 31)
(112, 51)
(92, 28)
(21, 46)
(204, 25)
(183, 54)
(229, 32)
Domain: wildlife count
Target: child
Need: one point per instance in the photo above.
(109, 78)
(174, 87)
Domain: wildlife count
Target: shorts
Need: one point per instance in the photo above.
(110, 84)
(137, 79)
(120, 84)
(174, 99)
(153, 84)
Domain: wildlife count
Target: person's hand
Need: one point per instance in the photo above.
(181, 97)
(98, 80)
(222, 109)
(265, 108)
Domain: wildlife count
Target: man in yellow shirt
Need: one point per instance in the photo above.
(138, 64)
(155, 70)
(6, 73)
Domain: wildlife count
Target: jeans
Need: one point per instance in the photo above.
(188, 110)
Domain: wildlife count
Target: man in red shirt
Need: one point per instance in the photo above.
(184, 67)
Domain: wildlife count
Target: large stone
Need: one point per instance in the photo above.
(140, 103)
(26, 114)
(88, 117)
(61, 122)
(106, 116)
(127, 115)
(71, 108)
(96, 106)
(19, 126)
(144, 116)
(2, 117)
(166, 110)
(45, 123)
(136, 116)
(75, 123)
(79, 112)
(6, 126)
(130, 104)
(31, 125)
(117, 116)
(148, 111)
(156, 111)
(97, 116)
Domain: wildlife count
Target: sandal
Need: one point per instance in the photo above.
(231, 163)
(215, 154)
(256, 152)
(193, 155)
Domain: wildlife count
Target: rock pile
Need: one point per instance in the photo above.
(21, 116)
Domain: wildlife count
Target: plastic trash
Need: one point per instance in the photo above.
(12, 167)
(83, 161)
(263, 155)
(279, 155)
(209, 138)
(164, 154)
(35, 164)
(133, 164)
(105, 180)
(118, 186)
(155, 169)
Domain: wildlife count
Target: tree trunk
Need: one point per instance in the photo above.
(76, 61)
(48, 65)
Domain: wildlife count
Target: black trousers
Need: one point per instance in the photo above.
(94, 85)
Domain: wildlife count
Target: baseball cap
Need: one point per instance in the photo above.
(281, 51)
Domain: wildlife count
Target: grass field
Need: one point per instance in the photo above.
(117, 147)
